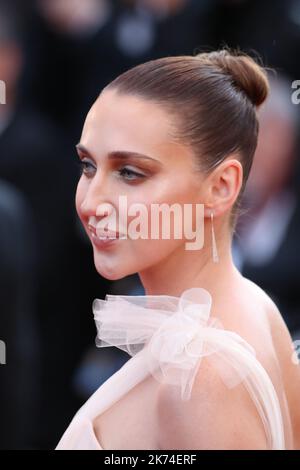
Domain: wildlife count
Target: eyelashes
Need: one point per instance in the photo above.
(126, 173)
(86, 168)
(129, 174)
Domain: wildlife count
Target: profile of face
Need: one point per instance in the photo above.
(127, 149)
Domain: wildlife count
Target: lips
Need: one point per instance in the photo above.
(105, 234)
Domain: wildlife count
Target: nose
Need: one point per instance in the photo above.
(96, 200)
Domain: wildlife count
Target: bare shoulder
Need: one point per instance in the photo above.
(286, 356)
(265, 300)
(268, 303)
(215, 417)
(280, 334)
(218, 417)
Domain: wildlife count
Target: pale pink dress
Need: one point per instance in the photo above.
(167, 337)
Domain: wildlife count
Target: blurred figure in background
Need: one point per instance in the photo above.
(243, 23)
(266, 245)
(18, 375)
(36, 157)
(75, 48)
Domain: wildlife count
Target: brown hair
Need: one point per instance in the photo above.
(213, 98)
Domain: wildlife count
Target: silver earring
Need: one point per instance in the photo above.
(215, 255)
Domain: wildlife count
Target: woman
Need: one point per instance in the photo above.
(213, 365)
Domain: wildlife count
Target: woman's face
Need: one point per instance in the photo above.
(127, 150)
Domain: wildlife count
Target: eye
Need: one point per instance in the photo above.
(87, 168)
(130, 175)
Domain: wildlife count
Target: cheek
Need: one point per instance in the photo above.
(170, 192)
(159, 222)
(170, 189)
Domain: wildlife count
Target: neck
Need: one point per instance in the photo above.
(184, 269)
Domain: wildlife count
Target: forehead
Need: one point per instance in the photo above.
(123, 121)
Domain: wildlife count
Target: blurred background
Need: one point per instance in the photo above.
(55, 57)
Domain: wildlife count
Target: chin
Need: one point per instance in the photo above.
(112, 272)
(116, 266)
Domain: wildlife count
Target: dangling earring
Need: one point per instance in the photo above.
(215, 255)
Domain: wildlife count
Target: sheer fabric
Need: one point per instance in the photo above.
(168, 337)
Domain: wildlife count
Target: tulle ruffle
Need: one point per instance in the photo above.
(174, 335)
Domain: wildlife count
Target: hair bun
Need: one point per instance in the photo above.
(247, 75)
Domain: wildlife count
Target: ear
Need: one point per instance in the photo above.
(223, 186)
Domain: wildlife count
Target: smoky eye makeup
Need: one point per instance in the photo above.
(86, 166)
(129, 166)
(130, 173)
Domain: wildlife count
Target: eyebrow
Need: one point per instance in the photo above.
(118, 154)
